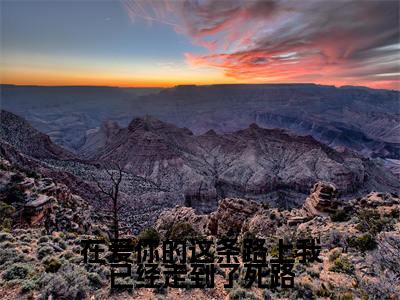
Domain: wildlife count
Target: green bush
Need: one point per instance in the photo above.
(6, 213)
(6, 245)
(340, 215)
(102, 271)
(6, 224)
(363, 243)
(67, 255)
(44, 239)
(62, 244)
(323, 292)
(5, 236)
(70, 282)
(14, 195)
(181, 231)
(371, 221)
(28, 285)
(342, 265)
(334, 254)
(10, 256)
(25, 238)
(95, 280)
(241, 294)
(17, 271)
(51, 264)
(76, 249)
(345, 296)
(45, 251)
(149, 234)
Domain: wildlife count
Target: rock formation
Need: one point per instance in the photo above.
(20, 134)
(179, 214)
(322, 199)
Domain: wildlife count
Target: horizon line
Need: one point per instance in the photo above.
(197, 85)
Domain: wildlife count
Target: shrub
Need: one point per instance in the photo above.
(364, 242)
(181, 231)
(28, 285)
(149, 234)
(62, 244)
(6, 211)
(342, 265)
(51, 264)
(16, 178)
(45, 251)
(25, 238)
(265, 205)
(334, 254)
(26, 249)
(5, 236)
(95, 280)
(43, 239)
(6, 245)
(76, 249)
(17, 271)
(4, 166)
(345, 296)
(14, 195)
(395, 213)
(103, 271)
(6, 224)
(31, 173)
(67, 255)
(313, 273)
(71, 236)
(241, 294)
(371, 221)
(323, 292)
(10, 256)
(340, 215)
(302, 291)
(335, 239)
(69, 283)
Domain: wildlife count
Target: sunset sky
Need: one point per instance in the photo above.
(166, 43)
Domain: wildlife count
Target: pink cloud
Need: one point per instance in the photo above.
(336, 42)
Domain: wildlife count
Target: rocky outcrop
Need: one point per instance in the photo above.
(375, 199)
(226, 221)
(264, 223)
(41, 201)
(180, 214)
(322, 199)
(230, 216)
(20, 134)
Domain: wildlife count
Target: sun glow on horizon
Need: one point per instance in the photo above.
(164, 44)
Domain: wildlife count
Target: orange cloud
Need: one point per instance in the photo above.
(336, 42)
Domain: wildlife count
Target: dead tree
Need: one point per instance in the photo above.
(112, 193)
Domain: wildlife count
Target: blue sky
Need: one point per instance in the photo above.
(87, 28)
(165, 42)
(85, 37)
